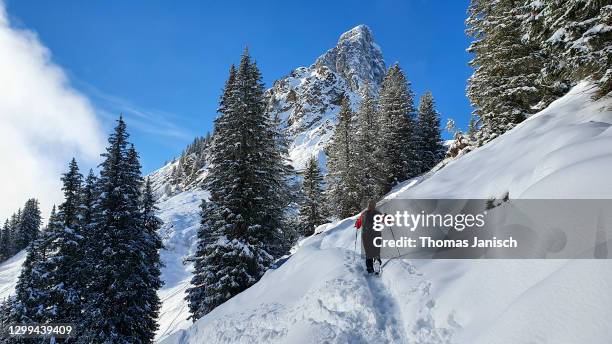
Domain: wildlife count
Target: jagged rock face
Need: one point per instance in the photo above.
(357, 58)
(307, 100)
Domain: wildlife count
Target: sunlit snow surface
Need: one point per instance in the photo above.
(9, 272)
(181, 216)
(320, 295)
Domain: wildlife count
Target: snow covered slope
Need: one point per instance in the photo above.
(9, 273)
(321, 295)
(181, 216)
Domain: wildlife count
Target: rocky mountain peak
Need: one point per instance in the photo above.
(357, 58)
(359, 32)
(307, 100)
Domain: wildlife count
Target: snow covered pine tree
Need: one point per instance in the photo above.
(241, 230)
(398, 151)
(429, 147)
(576, 37)
(313, 206)
(64, 261)
(342, 166)
(504, 88)
(121, 300)
(28, 226)
(368, 141)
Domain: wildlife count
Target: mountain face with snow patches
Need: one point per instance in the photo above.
(307, 100)
(305, 103)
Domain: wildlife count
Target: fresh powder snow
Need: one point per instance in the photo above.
(320, 294)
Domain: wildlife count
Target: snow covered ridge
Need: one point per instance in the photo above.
(321, 294)
(307, 100)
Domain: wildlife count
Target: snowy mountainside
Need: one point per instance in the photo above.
(307, 101)
(181, 216)
(9, 273)
(321, 294)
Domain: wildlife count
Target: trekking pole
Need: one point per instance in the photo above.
(397, 248)
(355, 247)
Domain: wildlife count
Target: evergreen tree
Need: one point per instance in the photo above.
(552, 81)
(342, 166)
(241, 230)
(428, 138)
(397, 154)
(64, 266)
(504, 88)
(153, 244)
(121, 304)
(372, 173)
(31, 293)
(578, 35)
(29, 224)
(312, 207)
(14, 225)
(88, 199)
(6, 243)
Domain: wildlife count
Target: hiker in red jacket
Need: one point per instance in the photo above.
(368, 234)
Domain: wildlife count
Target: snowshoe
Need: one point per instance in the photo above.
(377, 267)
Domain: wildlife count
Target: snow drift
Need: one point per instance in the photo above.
(322, 295)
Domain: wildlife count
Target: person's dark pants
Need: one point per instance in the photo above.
(370, 264)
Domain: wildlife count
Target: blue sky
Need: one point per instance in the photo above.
(163, 63)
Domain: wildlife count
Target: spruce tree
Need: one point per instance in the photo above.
(397, 157)
(89, 196)
(504, 87)
(121, 303)
(64, 265)
(428, 138)
(153, 244)
(313, 207)
(577, 34)
(241, 230)
(29, 223)
(368, 141)
(30, 304)
(14, 233)
(5, 243)
(343, 167)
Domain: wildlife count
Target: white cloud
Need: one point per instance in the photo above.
(43, 122)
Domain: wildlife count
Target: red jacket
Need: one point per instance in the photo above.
(358, 222)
